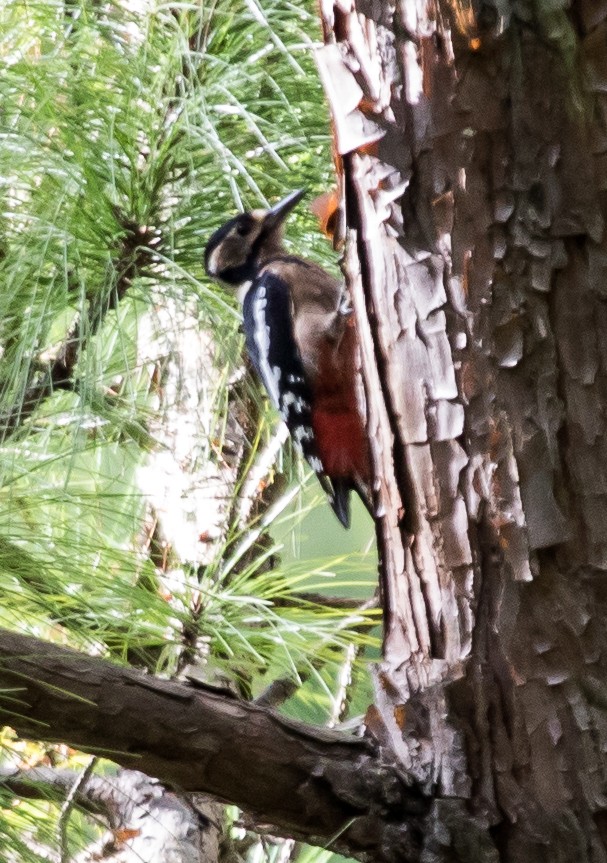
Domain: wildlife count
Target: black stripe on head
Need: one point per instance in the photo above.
(238, 275)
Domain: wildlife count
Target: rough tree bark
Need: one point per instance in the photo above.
(472, 137)
(473, 142)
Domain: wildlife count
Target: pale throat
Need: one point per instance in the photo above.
(242, 289)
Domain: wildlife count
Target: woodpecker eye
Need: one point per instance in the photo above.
(243, 228)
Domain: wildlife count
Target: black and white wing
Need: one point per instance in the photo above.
(268, 328)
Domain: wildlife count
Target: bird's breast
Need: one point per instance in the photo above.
(337, 420)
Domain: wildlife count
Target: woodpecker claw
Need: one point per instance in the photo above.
(345, 306)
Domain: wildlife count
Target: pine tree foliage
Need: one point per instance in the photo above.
(128, 130)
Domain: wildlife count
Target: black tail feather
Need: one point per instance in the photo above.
(340, 501)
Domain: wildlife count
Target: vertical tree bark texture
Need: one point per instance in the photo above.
(473, 143)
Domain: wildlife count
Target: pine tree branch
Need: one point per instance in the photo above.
(59, 373)
(319, 786)
(52, 783)
(145, 820)
(67, 807)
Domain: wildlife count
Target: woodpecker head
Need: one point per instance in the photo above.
(235, 251)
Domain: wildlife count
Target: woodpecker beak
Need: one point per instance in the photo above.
(279, 212)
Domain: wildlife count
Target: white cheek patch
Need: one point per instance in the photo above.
(213, 262)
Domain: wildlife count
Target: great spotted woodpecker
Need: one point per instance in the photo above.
(301, 339)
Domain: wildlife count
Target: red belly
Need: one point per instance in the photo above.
(341, 443)
(340, 436)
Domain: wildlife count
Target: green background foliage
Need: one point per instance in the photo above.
(129, 131)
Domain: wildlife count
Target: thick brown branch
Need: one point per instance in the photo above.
(320, 786)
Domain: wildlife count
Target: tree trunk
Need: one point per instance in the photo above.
(472, 140)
